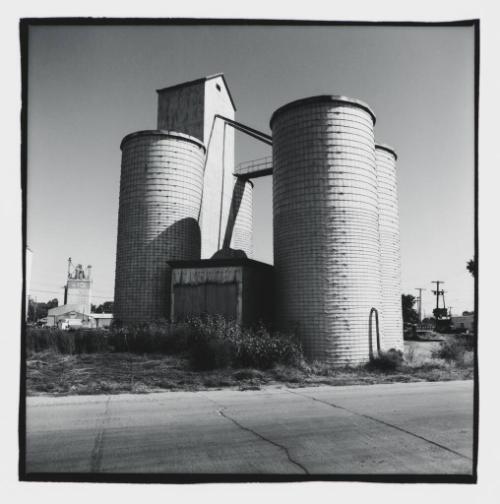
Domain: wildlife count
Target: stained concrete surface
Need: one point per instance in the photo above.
(410, 428)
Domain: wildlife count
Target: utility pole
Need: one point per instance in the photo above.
(437, 292)
(420, 289)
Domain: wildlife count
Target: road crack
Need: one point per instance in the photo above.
(96, 454)
(369, 417)
(274, 443)
(221, 411)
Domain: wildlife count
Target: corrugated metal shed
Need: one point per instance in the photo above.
(238, 289)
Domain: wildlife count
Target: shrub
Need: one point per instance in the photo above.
(260, 349)
(456, 349)
(207, 352)
(216, 342)
(391, 360)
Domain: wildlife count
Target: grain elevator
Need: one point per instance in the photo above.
(185, 222)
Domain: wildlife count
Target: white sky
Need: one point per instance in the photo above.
(90, 86)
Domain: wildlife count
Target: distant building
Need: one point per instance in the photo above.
(464, 322)
(76, 310)
(60, 314)
(78, 287)
(101, 320)
(67, 311)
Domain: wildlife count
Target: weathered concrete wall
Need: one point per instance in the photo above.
(390, 254)
(79, 293)
(219, 179)
(181, 109)
(160, 196)
(326, 235)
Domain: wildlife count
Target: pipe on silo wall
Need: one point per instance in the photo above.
(326, 234)
(160, 197)
(390, 254)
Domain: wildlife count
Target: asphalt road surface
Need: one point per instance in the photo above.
(406, 428)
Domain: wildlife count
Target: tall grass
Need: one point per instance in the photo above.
(209, 342)
(156, 337)
(216, 342)
(66, 342)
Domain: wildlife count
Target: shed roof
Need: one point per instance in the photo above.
(215, 263)
(61, 310)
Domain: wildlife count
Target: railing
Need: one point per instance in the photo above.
(255, 168)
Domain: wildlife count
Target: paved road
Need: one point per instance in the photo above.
(414, 428)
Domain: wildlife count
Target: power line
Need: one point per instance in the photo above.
(54, 287)
(110, 297)
(102, 294)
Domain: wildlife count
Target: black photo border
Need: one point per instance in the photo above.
(24, 26)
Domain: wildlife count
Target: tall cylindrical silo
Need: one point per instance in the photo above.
(160, 197)
(241, 212)
(390, 255)
(326, 236)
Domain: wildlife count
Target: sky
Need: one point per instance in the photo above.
(90, 86)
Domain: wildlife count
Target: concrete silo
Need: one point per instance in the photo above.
(239, 228)
(326, 234)
(390, 255)
(160, 197)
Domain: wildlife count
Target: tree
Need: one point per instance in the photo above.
(36, 311)
(472, 267)
(410, 316)
(106, 307)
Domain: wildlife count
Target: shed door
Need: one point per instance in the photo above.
(211, 298)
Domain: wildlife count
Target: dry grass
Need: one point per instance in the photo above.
(115, 373)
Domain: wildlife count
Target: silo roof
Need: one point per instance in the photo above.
(387, 148)
(163, 133)
(323, 99)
